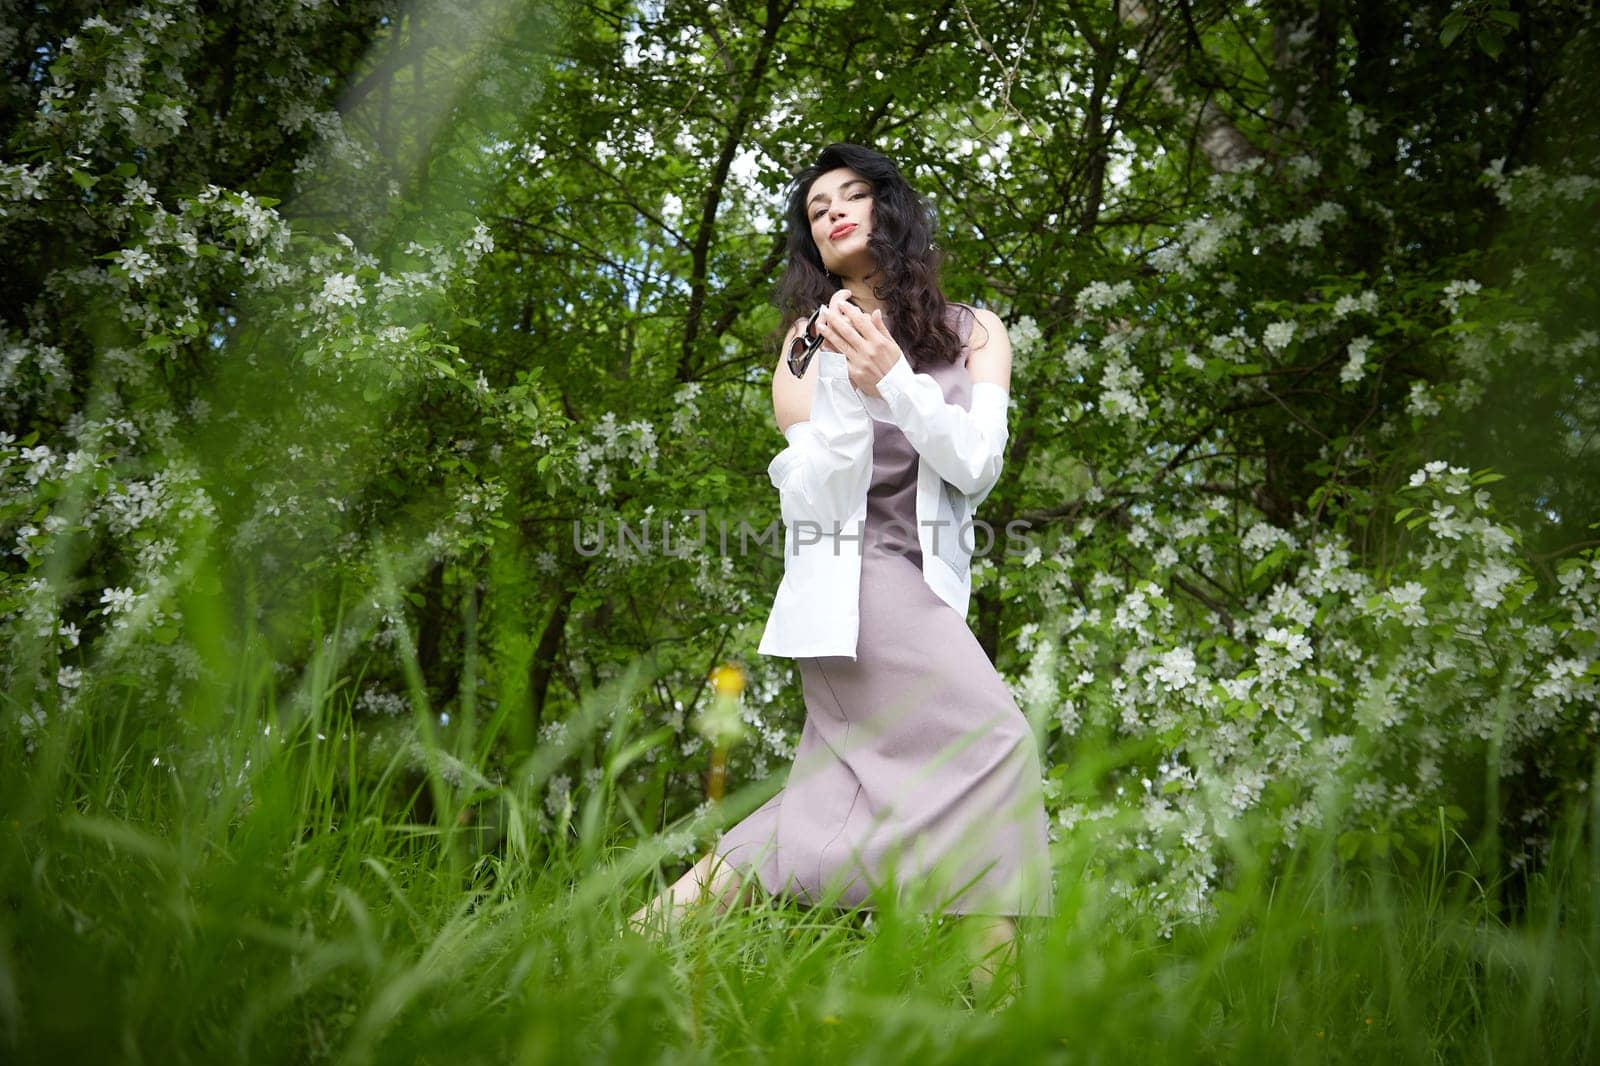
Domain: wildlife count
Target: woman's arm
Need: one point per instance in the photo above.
(829, 457)
(965, 446)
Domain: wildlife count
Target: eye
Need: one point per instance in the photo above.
(854, 196)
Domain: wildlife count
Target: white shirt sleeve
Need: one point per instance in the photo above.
(966, 447)
(828, 463)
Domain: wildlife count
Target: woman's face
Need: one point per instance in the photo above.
(839, 206)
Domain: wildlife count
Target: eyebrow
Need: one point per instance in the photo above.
(843, 186)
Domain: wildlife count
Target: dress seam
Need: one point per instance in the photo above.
(822, 854)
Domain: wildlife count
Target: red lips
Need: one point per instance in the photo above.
(840, 230)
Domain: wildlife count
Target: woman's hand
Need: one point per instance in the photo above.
(862, 339)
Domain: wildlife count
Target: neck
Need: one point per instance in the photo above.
(861, 289)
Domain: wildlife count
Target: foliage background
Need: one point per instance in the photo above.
(328, 330)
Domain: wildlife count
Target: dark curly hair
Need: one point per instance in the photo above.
(907, 278)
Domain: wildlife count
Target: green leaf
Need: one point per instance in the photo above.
(1490, 43)
(1454, 23)
(1273, 558)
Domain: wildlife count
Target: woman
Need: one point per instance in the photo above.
(915, 770)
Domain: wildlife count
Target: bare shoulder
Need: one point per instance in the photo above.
(791, 396)
(990, 357)
(988, 326)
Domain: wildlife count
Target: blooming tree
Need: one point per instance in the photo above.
(367, 311)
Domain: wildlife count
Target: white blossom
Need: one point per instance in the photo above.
(1356, 362)
(1097, 295)
(480, 244)
(1405, 603)
(1454, 291)
(1348, 304)
(139, 264)
(1278, 335)
(118, 600)
(1488, 584)
(342, 290)
(1176, 669)
(1420, 401)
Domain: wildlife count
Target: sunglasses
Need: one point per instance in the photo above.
(804, 346)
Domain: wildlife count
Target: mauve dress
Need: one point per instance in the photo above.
(915, 766)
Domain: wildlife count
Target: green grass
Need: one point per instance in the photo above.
(211, 890)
